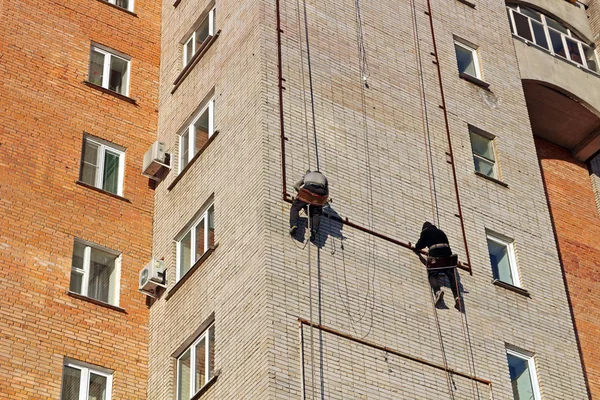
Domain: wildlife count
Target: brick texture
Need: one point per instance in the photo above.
(44, 111)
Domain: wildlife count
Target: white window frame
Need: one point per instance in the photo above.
(114, 2)
(84, 382)
(192, 229)
(85, 272)
(512, 8)
(108, 54)
(492, 139)
(474, 54)
(211, 32)
(531, 366)
(103, 147)
(190, 130)
(512, 259)
(192, 348)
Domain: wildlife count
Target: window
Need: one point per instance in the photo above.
(483, 153)
(102, 165)
(550, 35)
(196, 366)
(196, 241)
(109, 70)
(126, 4)
(195, 42)
(95, 272)
(85, 382)
(195, 136)
(523, 375)
(466, 58)
(502, 258)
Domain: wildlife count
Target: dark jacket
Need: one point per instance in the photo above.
(430, 236)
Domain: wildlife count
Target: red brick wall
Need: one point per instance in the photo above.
(577, 224)
(44, 110)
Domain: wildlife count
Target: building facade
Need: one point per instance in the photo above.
(452, 112)
(78, 100)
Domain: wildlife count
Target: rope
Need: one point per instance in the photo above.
(364, 64)
(310, 299)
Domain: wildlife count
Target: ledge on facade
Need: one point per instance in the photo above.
(510, 287)
(176, 3)
(92, 187)
(476, 81)
(197, 265)
(199, 54)
(189, 165)
(111, 92)
(119, 8)
(489, 178)
(467, 3)
(207, 386)
(96, 302)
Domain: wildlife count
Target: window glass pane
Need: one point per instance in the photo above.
(574, 52)
(97, 387)
(185, 150)
(553, 24)
(464, 58)
(531, 13)
(540, 34)
(183, 380)
(557, 44)
(70, 383)
(123, 4)
(500, 261)
(200, 371)
(522, 25)
(482, 146)
(90, 163)
(185, 250)
(76, 281)
(520, 378)
(96, 68)
(211, 352)
(118, 75)
(201, 131)
(189, 50)
(200, 240)
(77, 268)
(202, 33)
(102, 271)
(211, 226)
(110, 181)
(590, 56)
(78, 253)
(484, 167)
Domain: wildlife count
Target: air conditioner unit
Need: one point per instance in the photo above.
(152, 276)
(155, 159)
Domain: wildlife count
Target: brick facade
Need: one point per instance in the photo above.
(45, 108)
(577, 224)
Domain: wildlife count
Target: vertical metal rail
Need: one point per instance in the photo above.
(280, 89)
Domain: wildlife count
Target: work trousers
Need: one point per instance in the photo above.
(315, 214)
(434, 280)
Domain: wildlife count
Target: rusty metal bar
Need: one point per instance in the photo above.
(391, 351)
(280, 88)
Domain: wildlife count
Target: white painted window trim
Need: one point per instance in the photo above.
(474, 55)
(492, 139)
(103, 147)
(192, 348)
(114, 2)
(85, 272)
(108, 54)
(580, 44)
(210, 106)
(84, 382)
(512, 259)
(211, 32)
(192, 229)
(532, 369)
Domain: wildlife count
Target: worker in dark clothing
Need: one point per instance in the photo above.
(439, 247)
(312, 190)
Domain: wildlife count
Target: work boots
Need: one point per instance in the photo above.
(457, 304)
(439, 296)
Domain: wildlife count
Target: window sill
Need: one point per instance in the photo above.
(111, 92)
(489, 178)
(512, 288)
(476, 81)
(199, 54)
(207, 386)
(184, 278)
(116, 196)
(192, 161)
(176, 3)
(96, 302)
(119, 8)
(467, 3)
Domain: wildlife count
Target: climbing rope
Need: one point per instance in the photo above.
(310, 312)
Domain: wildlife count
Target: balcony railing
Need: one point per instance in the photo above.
(547, 33)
